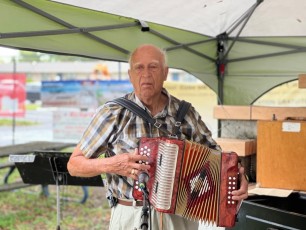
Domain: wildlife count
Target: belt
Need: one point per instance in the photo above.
(130, 203)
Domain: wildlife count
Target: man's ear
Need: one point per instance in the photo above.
(129, 74)
(166, 71)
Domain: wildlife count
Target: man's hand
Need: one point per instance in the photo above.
(127, 164)
(242, 192)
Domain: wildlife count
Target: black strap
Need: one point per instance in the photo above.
(181, 112)
(136, 109)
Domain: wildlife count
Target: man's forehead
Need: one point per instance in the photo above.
(150, 62)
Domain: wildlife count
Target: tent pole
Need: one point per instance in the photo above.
(244, 21)
(220, 66)
(220, 94)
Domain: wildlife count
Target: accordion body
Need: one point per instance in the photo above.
(190, 180)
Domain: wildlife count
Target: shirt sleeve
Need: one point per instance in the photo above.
(201, 133)
(97, 134)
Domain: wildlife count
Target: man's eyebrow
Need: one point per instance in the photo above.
(155, 62)
(136, 63)
(152, 62)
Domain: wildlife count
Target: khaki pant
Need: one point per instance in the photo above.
(129, 218)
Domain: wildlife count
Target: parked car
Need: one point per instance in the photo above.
(33, 90)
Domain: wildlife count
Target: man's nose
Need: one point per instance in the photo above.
(146, 71)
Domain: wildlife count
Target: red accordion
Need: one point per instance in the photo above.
(190, 180)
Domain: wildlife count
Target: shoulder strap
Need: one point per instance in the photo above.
(181, 112)
(136, 109)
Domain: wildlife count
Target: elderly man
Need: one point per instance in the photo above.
(115, 131)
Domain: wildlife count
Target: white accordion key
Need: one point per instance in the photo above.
(231, 188)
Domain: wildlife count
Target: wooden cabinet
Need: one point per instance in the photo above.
(281, 154)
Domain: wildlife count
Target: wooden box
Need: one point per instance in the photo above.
(243, 147)
(281, 154)
(246, 150)
(302, 81)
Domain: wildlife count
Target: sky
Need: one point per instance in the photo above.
(6, 52)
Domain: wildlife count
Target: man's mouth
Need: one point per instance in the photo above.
(146, 84)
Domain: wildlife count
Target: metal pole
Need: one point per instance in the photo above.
(58, 205)
(14, 101)
(119, 70)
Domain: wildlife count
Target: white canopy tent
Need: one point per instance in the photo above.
(239, 48)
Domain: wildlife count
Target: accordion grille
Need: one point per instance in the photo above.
(164, 175)
(198, 196)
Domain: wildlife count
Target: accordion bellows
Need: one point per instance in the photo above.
(190, 180)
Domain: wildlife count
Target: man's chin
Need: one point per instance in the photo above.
(146, 95)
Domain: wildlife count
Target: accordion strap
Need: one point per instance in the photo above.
(136, 109)
(181, 112)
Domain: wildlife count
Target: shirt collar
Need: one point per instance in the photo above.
(168, 110)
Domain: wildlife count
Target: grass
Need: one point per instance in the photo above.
(32, 106)
(9, 122)
(19, 122)
(28, 208)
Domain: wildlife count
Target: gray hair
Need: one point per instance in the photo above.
(162, 52)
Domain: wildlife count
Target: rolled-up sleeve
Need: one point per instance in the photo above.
(96, 136)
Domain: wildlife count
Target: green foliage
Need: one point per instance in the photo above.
(32, 106)
(9, 122)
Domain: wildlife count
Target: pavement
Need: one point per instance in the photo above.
(42, 131)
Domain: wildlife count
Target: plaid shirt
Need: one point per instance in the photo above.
(115, 130)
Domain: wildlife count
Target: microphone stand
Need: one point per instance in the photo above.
(145, 210)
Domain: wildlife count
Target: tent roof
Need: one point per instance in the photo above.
(261, 56)
(210, 17)
(205, 17)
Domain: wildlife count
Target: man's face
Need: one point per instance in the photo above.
(147, 72)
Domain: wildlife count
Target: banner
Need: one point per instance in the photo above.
(84, 94)
(12, 94)
(70, 125)
(202, 98)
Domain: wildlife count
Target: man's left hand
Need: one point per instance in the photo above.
(242, 192)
